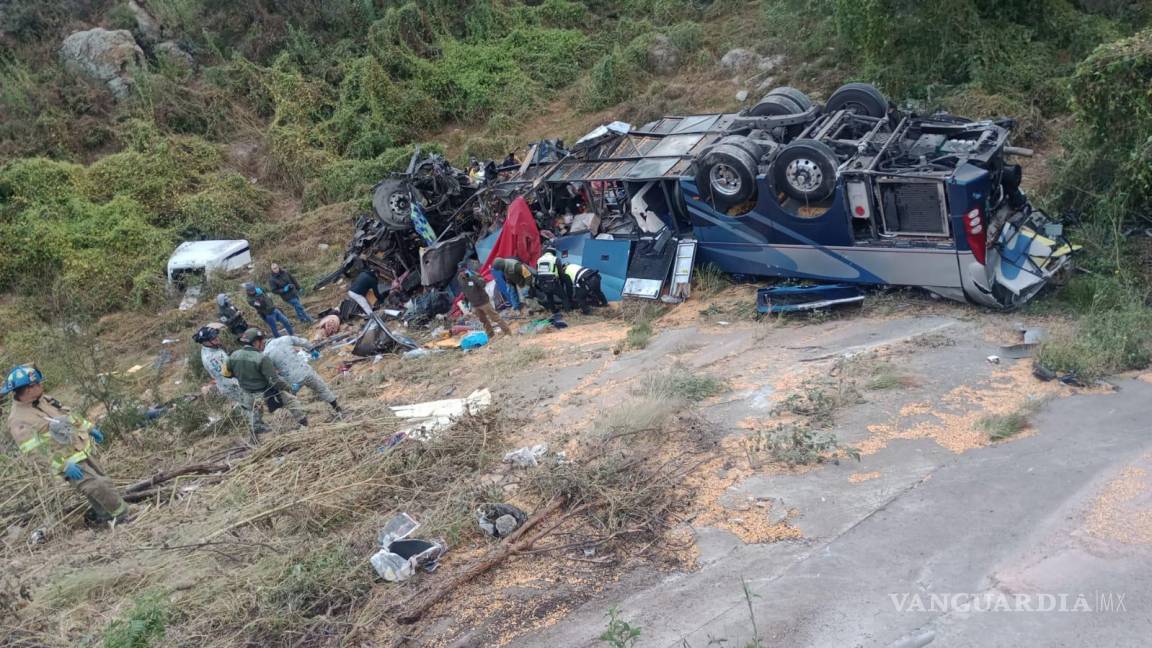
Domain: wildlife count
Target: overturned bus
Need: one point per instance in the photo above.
(853, 191)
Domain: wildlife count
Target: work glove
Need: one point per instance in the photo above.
(96, 435)
(315, 354)
(72, 472)
(295, 387)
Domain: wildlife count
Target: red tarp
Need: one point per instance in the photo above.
(518, 239)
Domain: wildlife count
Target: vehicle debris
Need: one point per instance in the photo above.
(793, 299)
(527, 456)
(433, 416)
(399, 556)
(499, 520)
(852, 192)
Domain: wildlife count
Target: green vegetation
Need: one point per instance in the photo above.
(143, 627)
(885, 375)
(638, 335)
(800, 445)
(619, 633)
(680, 384)
(1004, 426)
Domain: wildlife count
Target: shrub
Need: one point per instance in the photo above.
(221, 209)
(37, 181)
(686, 36)
(143, 627)
(293, 158)
(1114, 332)
(342, 180)
(561, 13)
(612, 79)
(153, 172)
(1110, 97)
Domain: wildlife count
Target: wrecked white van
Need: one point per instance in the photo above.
(201, 258)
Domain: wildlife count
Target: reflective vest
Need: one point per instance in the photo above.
(29, 424)
(547, 265)
(575, 272)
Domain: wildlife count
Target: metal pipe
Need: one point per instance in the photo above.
(1019, 150)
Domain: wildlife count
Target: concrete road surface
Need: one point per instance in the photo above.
(1044, 540)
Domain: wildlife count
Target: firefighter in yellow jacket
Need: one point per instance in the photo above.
(48, 434)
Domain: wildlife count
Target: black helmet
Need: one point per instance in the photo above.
(206, 334)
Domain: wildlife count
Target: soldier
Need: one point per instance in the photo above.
(259, 382)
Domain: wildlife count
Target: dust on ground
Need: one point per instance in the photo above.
(1122, 512)
(953, 420)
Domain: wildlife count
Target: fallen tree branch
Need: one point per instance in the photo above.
(161, 477)
(411, 610)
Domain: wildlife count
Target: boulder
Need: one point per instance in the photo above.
(172, 55)
(769, 63)
(739, 59)
(105, 56)
(663, 56)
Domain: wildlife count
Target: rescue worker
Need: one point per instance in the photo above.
(295, 370)
(259, 382)
(46, 432)
(285, 285)
(551, 282)
(213, 357)
(472, 284)
(586, 290)
(230, 316)
(267, 310)
(511, 277)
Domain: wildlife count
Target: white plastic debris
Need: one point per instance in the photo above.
(400, 557)
(527, 456)
(434, 416)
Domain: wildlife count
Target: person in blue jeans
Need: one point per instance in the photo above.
(511, 277)
(266, 309)
(285, 285)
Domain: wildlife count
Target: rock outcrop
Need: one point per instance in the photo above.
(109, 57)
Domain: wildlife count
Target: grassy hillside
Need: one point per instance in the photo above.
(292, 105)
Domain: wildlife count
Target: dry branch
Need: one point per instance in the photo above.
(169, 475)
(411, 610)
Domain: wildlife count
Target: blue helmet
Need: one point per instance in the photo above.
(21, 376)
